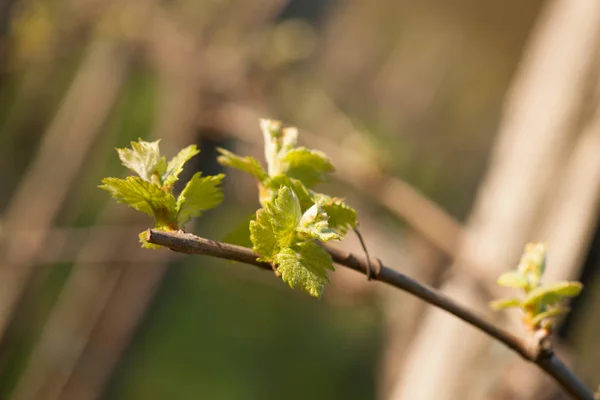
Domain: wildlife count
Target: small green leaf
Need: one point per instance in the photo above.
(285, 215)
(305, 265)
(512, 279)
(341, 217)
(314, 224)
(275, 182)
(175, 166)
(199, 194)
(552, 294)
(278, 141)
(141, 195)
(144, 159)
(553, 312)
(308, 166)
(248, 164)
(533, 261)
(262, 235)
(505, 303)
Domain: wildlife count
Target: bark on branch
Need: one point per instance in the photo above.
(531, 349)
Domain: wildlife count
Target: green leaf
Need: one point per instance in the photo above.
(505, 303)
(175, 166)
(278, 141)
(553, 312)
(533, 261)
(248, 164)
(144, 159)
(285, 214)
(262, 235)
(141, 195)
(305, 265)
(199, 194)
(513, 279)
(552, 294)
(341, 217)
(314, 224)
(274, 183)
(308, 166)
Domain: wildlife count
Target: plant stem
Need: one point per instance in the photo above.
(531, 349)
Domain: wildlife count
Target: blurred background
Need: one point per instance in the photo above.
(459, 130)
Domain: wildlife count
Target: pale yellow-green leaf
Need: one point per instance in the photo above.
(304, 266)
(175, 166)
(552, 294)
(285, 215)
(200, 194)
(512, 279)
(144, 159)
(505, 303)
(247, 164)
(553, 312)
(141, 195)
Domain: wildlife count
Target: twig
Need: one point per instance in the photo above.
(531, 350)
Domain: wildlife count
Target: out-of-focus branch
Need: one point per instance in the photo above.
(539, 117)
(531, 350)
(62, 152)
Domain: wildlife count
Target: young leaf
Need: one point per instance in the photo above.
(141, 195)
(505, 303)
(308, 166)
(341, 217)
(199, 194)
(553, 312)
(305, 265)
(278, 141)
(533, 261)
(274, 183)
(248, 164)
(314, 225)
(285, 214)
(175, 166)
(262, 235)
(552, 294)
(144, 159)
(513, 279)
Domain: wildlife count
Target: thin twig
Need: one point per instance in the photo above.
(530, 350)
(364, 247)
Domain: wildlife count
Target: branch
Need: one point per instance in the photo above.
(532, 350)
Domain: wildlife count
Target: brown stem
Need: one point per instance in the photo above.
(530, 349)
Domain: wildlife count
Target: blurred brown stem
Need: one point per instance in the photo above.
(530, 349)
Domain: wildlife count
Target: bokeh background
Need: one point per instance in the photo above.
(460, 130)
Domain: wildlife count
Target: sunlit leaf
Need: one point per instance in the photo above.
(144, 159)
(175, 166)
(505, 303)
(141, 195)
(553, 312)
(512, 279)
(552, 294)
(200, 194)
(247, 164)
(314, 224)
(305, 266)
(308, 166)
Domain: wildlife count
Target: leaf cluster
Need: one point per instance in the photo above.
(293, 216)
(539, 303)
(151, 191)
